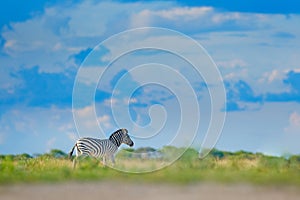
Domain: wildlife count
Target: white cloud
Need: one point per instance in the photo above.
(193, 19)
(127, 101)
(275, 74)
(262, 130)
(295, 119)
(72, 136)
(273, 82)
(34, 34)
(105, 121)
(172, 16)
(289, 142)
(236, 75)
(65, 126)
(85, 112)
(34, 43)
(69, 129)
(111, 102)
(51, 37)
(234, 63)
(93, 121)
(58, 46)
(223, 17)
(133, 100)
(86, 120)
(89, 75)
(32, 130)
(61, 31)
(50, 143)
(9, 44)
(183, 13)
(294, 124)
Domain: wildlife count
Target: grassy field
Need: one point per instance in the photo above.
(224, 167)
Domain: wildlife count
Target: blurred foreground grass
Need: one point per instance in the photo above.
(218, 166)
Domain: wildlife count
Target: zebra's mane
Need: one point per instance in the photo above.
(115, 133)
(114, 137)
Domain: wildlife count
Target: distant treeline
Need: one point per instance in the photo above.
(149, 152)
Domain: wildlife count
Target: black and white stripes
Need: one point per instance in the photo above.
(105, 148)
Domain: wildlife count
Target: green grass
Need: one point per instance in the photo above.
(224, 167)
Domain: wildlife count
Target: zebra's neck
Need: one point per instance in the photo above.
(116, 138)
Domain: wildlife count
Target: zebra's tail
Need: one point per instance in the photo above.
(71, 152)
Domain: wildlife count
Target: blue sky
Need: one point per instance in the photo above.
(255, 45)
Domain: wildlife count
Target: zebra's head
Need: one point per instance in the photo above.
(126, 139)
(121, 136)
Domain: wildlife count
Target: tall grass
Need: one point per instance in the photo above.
(219, 166)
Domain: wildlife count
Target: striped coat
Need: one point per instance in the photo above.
(105, 148)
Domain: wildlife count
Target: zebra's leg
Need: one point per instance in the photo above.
(76, 157)
(77, 160)
(74, 162)
(96, 159)
(104, 161)
(112, 158)
(79, 155)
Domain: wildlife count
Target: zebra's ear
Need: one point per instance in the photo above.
(124, 131)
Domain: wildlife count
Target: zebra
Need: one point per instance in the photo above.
(97, 148)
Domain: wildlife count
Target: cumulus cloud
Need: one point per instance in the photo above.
(233, 69)
(59, 32)
(50, 144)
(193, 19)
(93, 121)
(241, 96)
(295, 119)
(236, 75)
(272, 82)
(283, 86)
(105, 121)
(274, 75)
(175, 13)
(22, 125)
(39, 89)
(234, 63)
(111, 102)
(292, 81)
(294, 124)
(60, 38)
(69, 129)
